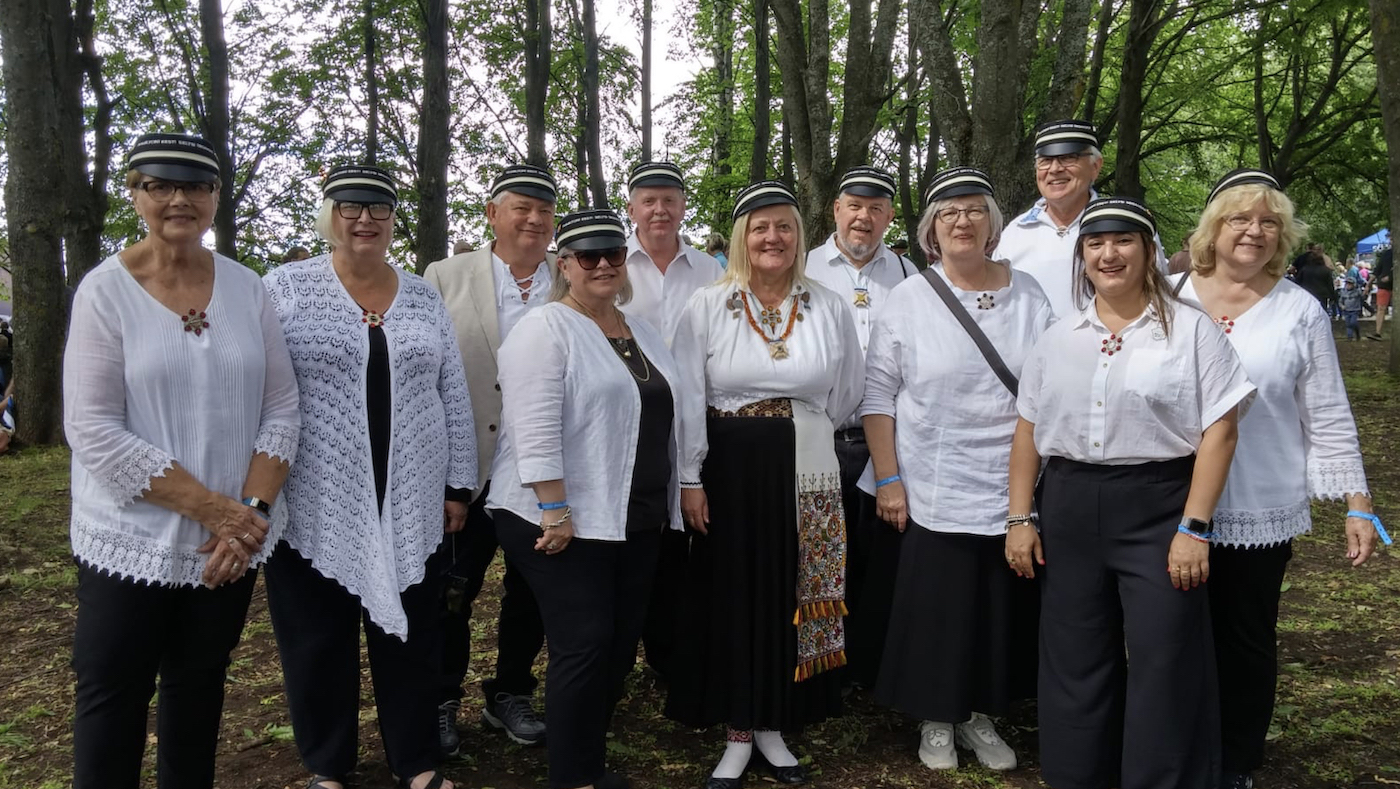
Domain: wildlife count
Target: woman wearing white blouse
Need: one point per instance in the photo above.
(776, 359)
(1134, 401)
(386, 434)
(584, 483)
(939, 422)
(179, 401)
(1298, 442)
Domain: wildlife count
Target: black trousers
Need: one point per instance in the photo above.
(593, 598)
(667, 592)
(127, 635)
(1150, 718)
(317, 623)
(1245, 585)
(872, 562)
(465, 557)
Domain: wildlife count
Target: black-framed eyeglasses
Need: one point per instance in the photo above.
(588, 259)
(164, 191)
(379, 211)
(1066, 160)
(949, 216)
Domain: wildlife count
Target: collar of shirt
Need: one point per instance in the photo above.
(505, 280)
(635, 252)
(832, 254)
(1089, 316)
(1037, 214)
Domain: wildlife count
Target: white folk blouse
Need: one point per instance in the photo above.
(1299, 439)
(724, 363)
(571, 411)
(511, 304)
(1151, 399)
(140, 394)
(954, 418)
(335, 520)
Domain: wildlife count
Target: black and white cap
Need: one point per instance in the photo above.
(656, 174)
(174, 157)
(867, 182)
(528, 180)
(1056, 138)
(1117, 215)
(592, 229)
(957, 182)
(761, 195)
(1240, 177)
(360, 183)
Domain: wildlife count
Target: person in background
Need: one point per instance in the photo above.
(296, 253)
(717, 247)
(1383, 279)
(1134, 402)
(487, 292)
(1350, 300)
(180, 406)
(1298, 442)
(901, 248)
(462, 246)
(855, 264)
(387, 464)
(940, 420)
(1314, 275)
(1181, 260)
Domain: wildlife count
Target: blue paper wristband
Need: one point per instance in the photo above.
(554, 505)
(880, 483)
(1375, 521)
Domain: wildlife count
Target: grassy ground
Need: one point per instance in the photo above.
(1337, 721)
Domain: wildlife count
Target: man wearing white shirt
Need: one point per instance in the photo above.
(664, 272)
(1041, 241)
(663, 269)
(487, 291)
(855, 263)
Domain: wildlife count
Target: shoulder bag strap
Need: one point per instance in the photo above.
(1181, 283)
(973, 330)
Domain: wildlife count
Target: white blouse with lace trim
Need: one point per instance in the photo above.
(334, 519)
(1298, 440)
(140, 394)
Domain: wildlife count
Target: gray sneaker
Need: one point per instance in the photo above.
(449, 741)
(980, 736)
(936, 746)
(516, 717)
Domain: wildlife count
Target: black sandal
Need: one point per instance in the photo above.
(317, 782)
(435, 782)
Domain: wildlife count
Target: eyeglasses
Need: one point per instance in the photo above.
(949, 216)
(380, 211)
(164, 191)
(1267, 224)
(1066, 160)
(588, 259)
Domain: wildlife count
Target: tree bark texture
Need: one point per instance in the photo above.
(762, 93)
(1385, 42)
(722, 52)
(646, 80)
(538, 55)
(216, 123)
(431, 239)
(371, 85)
(36, 37)
(597, 182)
(87, 196)
(1142, 29)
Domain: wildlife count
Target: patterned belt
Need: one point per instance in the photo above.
(778, 407)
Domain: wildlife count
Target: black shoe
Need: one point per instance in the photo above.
(1373, 336)
(1236, 781)
(791, 776)
(724, 783)
(611, 780)
(449, 741)
(516, 717)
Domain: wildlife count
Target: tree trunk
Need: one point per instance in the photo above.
(87, 199)
(216, 123)
(1142, 28)
(646, 80)
(762, 94)
(538, 35)
(1385, 42)
(597, 183)
(1091, 95)
(431, 239)
(371, 85)
(35, 37)
(908, 128)
(722, 52)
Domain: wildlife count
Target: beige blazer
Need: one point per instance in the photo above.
(469, 291)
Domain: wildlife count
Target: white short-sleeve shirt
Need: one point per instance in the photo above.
(660, 298)
(864, 290)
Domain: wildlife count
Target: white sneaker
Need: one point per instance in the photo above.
(979, 736)
(936, 749)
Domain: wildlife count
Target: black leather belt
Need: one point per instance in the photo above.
(854, 435)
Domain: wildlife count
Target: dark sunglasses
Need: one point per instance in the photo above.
(588, 259)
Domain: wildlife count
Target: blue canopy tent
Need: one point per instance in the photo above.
(1368, 244)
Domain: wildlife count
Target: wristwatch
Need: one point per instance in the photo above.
(258, 504)
(1198, 526)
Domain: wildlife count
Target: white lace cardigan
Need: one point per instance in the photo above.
(1298, 441)
(140, 394)
(330, 492)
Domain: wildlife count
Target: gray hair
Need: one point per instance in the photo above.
(559, 286)
(928, 235)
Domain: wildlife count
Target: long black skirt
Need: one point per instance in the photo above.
(737, 644)
(962, 634)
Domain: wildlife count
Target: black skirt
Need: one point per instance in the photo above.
(962, 634)
(737, 644)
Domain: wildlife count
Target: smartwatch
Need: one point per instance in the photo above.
(258, 504)
(1198, 526)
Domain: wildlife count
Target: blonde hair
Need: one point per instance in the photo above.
(738, 271)
(1233, 201)
(1154, 283)
(559, 285)
(928, 234)
(325, 222)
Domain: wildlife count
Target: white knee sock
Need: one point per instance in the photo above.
(771, 745)
(735, 759)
